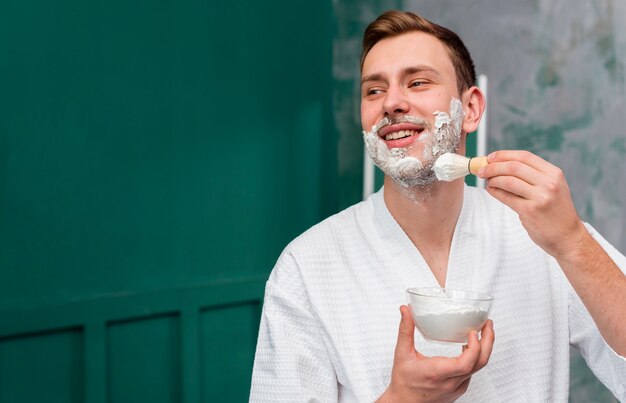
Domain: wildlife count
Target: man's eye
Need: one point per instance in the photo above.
(374, 91)
(416, 84)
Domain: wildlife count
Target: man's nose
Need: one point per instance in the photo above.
(395, 102)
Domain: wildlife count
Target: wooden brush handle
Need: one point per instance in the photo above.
(476, 163)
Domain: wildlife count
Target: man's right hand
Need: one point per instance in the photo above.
(416, 378)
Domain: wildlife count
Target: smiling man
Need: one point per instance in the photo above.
(329, 330)
(412, 119)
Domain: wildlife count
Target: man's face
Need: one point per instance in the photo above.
(410, 107)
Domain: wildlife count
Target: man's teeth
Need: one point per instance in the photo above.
(400, 134)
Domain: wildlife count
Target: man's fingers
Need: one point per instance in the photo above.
(515, 169)
(512, 185)
(525, 157)
(464, 364)
(406, 332)
(515, 202)
(457, 370)
(487, 338)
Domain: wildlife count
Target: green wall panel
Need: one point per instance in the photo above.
(228, 342)
(42, 368)
(144, 361)
(146, 145)
(155, 158)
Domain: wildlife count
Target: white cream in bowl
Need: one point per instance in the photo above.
(448, 315)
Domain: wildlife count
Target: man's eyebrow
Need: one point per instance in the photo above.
(372, 77)
(420, 69)
(406, 71)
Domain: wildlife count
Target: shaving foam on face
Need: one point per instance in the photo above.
(408, 170)
(447, 130)
(441, 118)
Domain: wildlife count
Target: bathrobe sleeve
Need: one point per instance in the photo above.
(608, 366)
(291, 362)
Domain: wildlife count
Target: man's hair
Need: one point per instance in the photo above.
(393, 23)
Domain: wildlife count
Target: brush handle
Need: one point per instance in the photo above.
(476, 163)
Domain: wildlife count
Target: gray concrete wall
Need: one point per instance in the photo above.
(556, 87)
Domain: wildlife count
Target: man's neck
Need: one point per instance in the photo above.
(428, 216)
(424, 210)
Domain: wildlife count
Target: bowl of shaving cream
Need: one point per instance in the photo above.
(446, 315)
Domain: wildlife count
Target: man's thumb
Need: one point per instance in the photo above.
(406, 331)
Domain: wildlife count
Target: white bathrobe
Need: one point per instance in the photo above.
(331, 311)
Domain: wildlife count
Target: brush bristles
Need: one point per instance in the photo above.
(451, 166)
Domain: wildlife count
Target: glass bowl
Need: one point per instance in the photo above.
(446, 315)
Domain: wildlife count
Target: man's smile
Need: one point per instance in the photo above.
(396, 135)
(401, 134)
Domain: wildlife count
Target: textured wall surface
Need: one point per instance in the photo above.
(556, 87)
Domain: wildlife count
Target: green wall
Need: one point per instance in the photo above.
(155, 158)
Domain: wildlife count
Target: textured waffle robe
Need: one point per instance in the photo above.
(331, 311)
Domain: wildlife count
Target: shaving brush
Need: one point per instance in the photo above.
(449, 166)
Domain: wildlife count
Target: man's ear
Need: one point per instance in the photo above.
(473, 106)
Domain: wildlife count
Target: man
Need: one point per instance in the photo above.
(329, 325)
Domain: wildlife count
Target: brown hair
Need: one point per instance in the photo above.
(393, 23)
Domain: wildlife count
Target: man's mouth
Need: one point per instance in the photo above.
(401, 134)
(399, 131)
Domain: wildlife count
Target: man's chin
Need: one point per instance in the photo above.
(416, 181)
